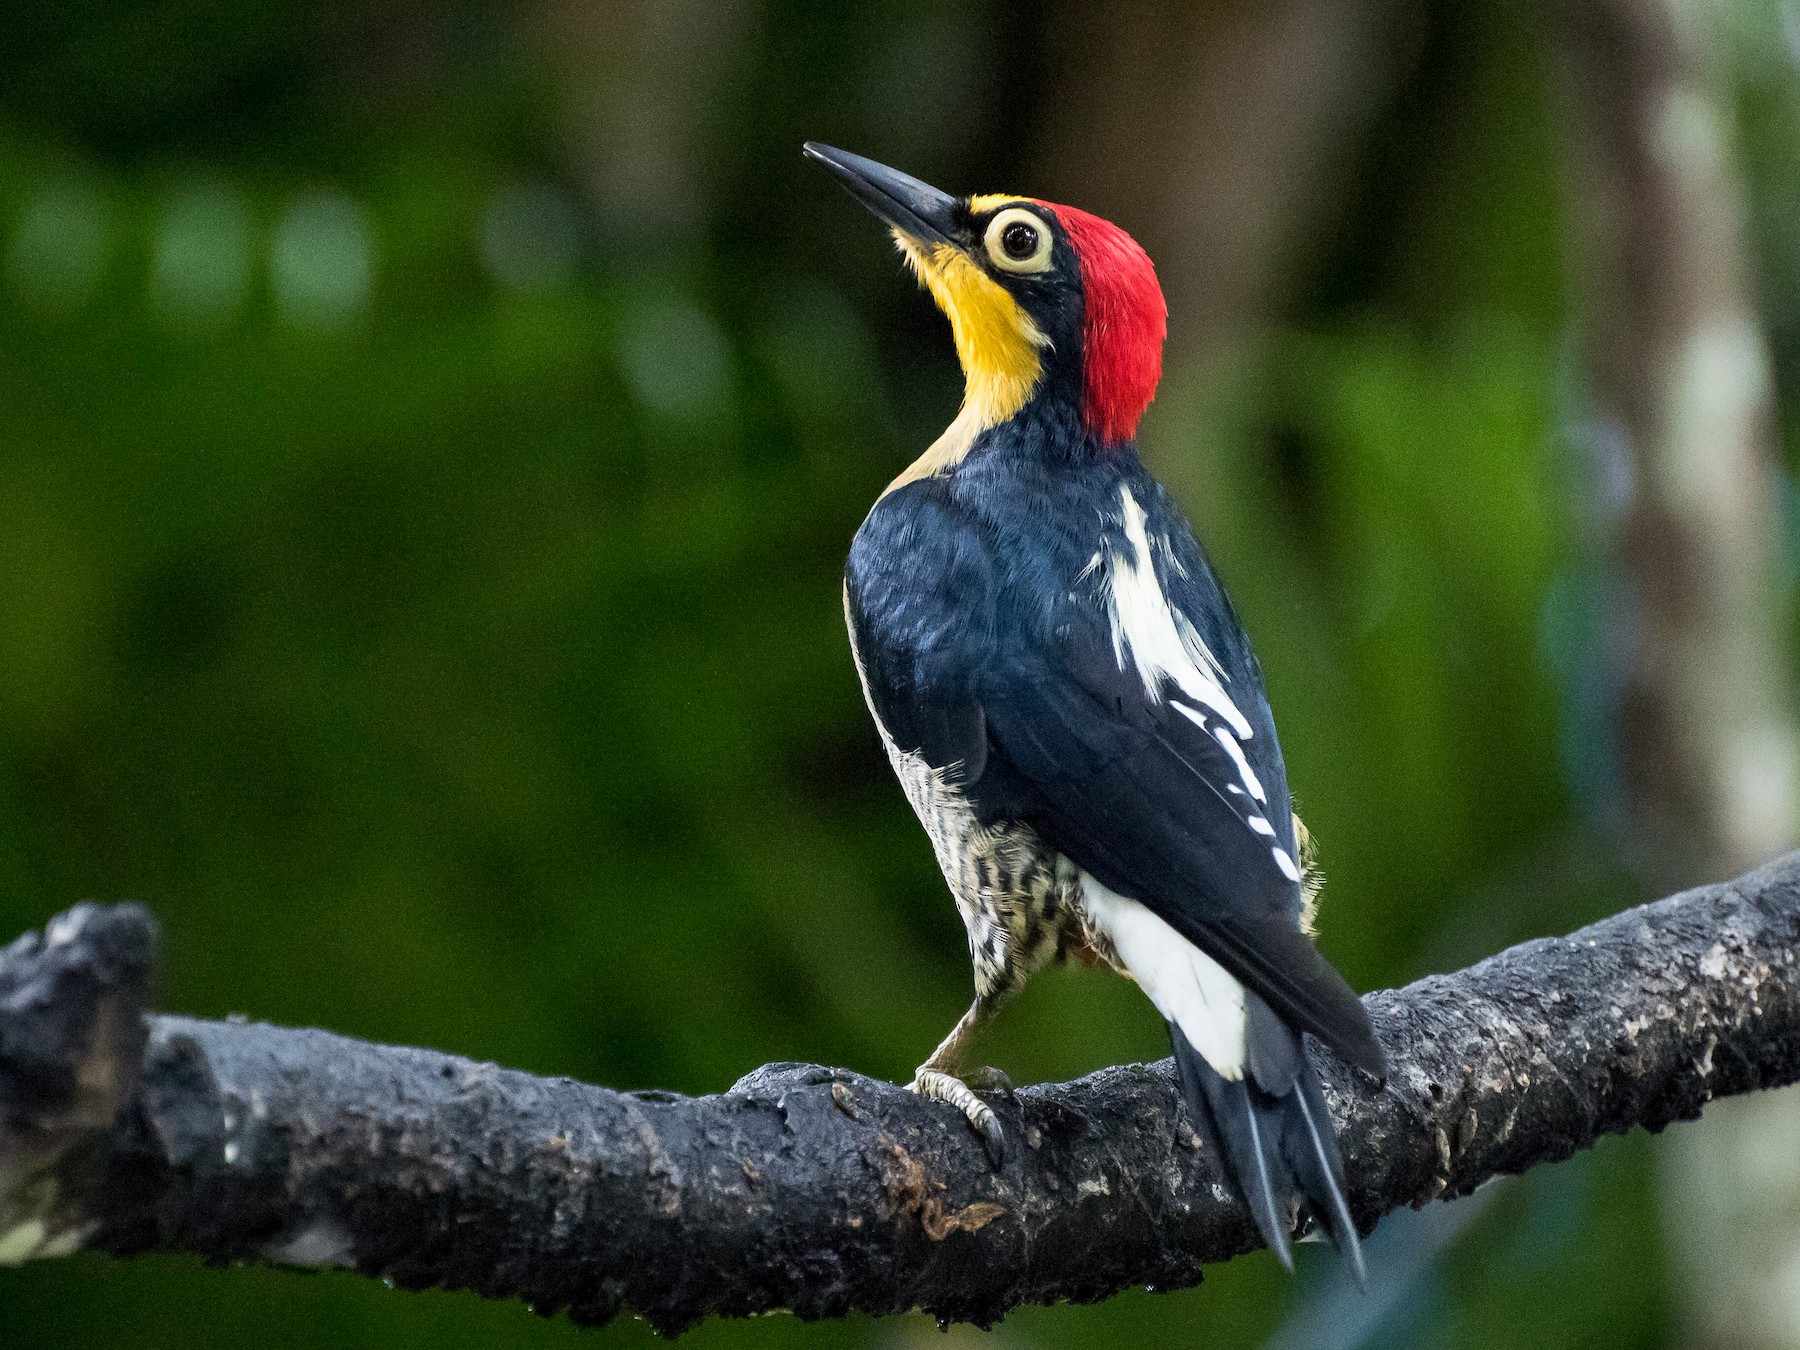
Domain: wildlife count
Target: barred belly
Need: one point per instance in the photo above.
(1019, 899)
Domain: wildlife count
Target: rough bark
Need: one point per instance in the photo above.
(818, 1190)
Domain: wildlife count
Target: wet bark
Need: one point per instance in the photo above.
(817, 1190)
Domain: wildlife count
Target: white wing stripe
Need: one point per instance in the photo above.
(1161, 643)
(1229, 744)
(1148, 633)
(1236, 751)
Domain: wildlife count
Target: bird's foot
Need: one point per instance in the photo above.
(937, 1086)
(988, 1079)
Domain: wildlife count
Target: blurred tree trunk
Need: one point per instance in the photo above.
(1681, 382)
(1223, 133)
(639, 78)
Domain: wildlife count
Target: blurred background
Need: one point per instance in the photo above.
(430, 433)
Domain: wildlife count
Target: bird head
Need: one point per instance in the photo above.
(1044, 301)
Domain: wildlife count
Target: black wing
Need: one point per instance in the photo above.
(1140, 796)
(1026, 694)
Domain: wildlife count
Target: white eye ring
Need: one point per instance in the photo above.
(1037, 260)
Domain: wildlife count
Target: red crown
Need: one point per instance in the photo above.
(1126, 322)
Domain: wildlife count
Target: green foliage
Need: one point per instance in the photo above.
(429, 603)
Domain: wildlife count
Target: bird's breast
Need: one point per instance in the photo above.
(1018, 898)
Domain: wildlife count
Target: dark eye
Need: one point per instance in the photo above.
(1019, 240)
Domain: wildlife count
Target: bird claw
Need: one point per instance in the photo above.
(993, 1141)
(937, 1086)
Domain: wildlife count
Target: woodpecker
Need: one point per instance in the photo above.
(1071, 705)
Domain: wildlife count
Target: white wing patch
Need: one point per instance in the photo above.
(1159, 641)
(1187, 986)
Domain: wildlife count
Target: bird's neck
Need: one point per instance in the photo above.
(999, 345)
(948, 450)
(1048, 430)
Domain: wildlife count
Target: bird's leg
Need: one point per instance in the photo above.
(938, 1080)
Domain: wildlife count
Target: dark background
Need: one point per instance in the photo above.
(430, 434)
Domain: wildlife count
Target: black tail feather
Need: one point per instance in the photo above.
(1247, 1135)
(1313, 1151)
(1277, 1148)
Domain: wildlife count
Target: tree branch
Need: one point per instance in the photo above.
(817, 1190)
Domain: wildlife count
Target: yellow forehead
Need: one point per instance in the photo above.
(993, 201)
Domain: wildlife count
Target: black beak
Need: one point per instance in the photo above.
(912, 207)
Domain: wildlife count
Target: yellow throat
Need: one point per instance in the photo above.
(996, 341)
